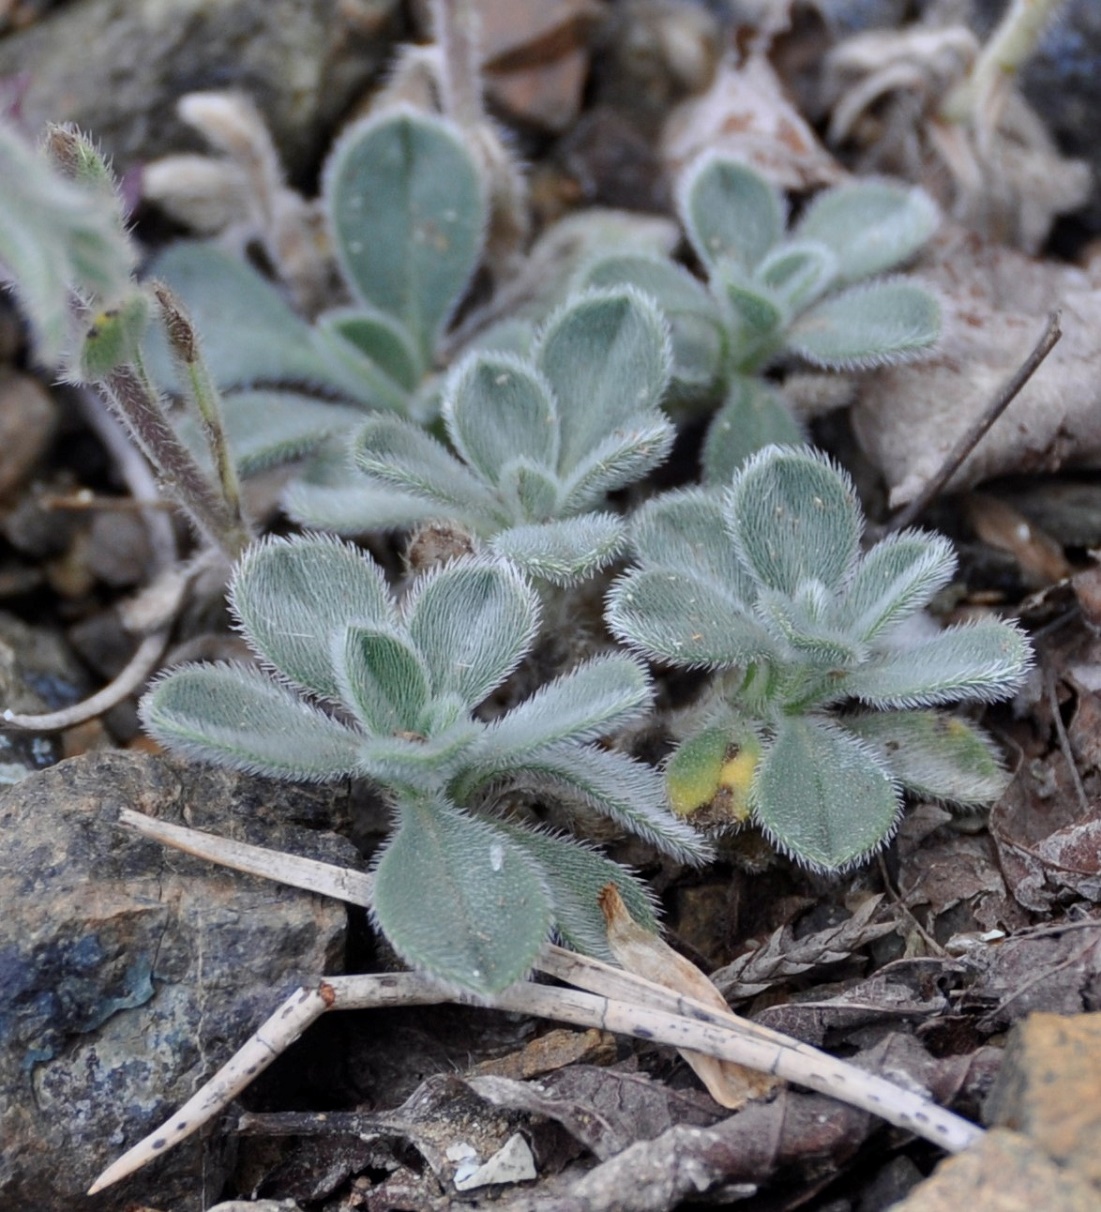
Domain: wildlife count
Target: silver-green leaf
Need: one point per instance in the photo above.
(236, 716)
(293, 595)
(822, 796)
(458, 899)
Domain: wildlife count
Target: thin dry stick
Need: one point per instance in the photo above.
(955, 457)
(691, 1025)
(643, 1009)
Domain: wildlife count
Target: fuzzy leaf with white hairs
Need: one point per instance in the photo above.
(623, 456)
(797, 272)
(684, 621)
(607, 358)
(472, 621)
(684, 531)
(563, 552)
(895, 579)
(936, 756)
(575, 874)
(694, 320)
(874, 325)
(332, 495)
(293, 595)
(757, 317)
(57, 236)
(628, 792)
(407, 208)
(381, 677)
(236, 716)
(265, 428)
(400, 454)
(589, 702)
(497, 408)
(812, 634)
(985, 661)
(422, 763)
(753, 416)
(822, 796)
(378, 337)
(871, 226)
(249, 333)
(456, 897)
(729, 211)
(794, 517)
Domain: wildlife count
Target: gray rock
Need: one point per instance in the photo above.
(129, 973)
(116, 67)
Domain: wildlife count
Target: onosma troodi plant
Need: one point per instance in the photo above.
(539, 441)
(460, 892)
(810, 291)
(826, 709)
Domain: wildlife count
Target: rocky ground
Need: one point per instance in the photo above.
(966, 961)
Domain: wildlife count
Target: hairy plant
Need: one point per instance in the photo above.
(60, 234)
(405, 205)
(358, 686)
(772, 292)
(539, 442)
(826, 708)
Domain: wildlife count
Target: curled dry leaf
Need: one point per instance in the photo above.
(643, 953)
(782, 955)
(746, 113)
(995, 305)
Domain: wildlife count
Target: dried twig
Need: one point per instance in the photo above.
(618, 1001)
(968, 441)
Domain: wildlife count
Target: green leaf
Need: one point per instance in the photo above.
(421, 762)
(796, 273)
(753, 416)
(895, 579)
(694, 320)
(497, 408)
(400, 454)
(331, 494)
(631, 793)
(293, 595)
(794, 517)
(236, 716)
(585, 704)
(382, 679)
(935, 755)
(986, 661)
(874, 325)
(871, 226)
(408, 212)
(623, 457)
(575, 875)
(267, 428)
(529, 492)
(730, 211)
(458, 899)
(822, 797)
(563, 552)
(684, 531)
(757, 317)
(379, 338)
(806, 624)
(607, 357)
(57, 236)
(249, 335)
(472, 620)
(684, 621)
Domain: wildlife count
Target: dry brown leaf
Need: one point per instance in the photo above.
(746, 113)
(998, 523)
(782, 955)
(645, 954)
(996, 302)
